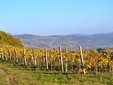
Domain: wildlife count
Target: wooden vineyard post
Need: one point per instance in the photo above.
(111, 66)
(51, 64)
(46, 59)
(1, 53)
(61, 59)
(24, 57)
(34, 57)
(81, 60)
(15, 56)
(96, 68)
(9, 54)
(66, 65)
(5, 56)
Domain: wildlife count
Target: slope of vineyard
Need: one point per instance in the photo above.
(7, 39)
(45, 63)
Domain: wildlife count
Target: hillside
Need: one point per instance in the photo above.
(71, 41)
(7, 39)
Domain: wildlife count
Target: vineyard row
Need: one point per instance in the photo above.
(61, 60)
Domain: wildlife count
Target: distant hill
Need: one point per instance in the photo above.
(78, 35)
(102, 40)
(7, 39)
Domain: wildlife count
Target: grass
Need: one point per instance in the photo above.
(11, 74)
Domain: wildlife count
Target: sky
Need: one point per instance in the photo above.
(56, 17)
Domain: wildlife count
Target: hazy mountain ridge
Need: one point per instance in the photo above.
(102, 40)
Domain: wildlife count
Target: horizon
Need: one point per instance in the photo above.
(64, 34)
(58, 17)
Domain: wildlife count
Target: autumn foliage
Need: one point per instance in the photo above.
(7, 39)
